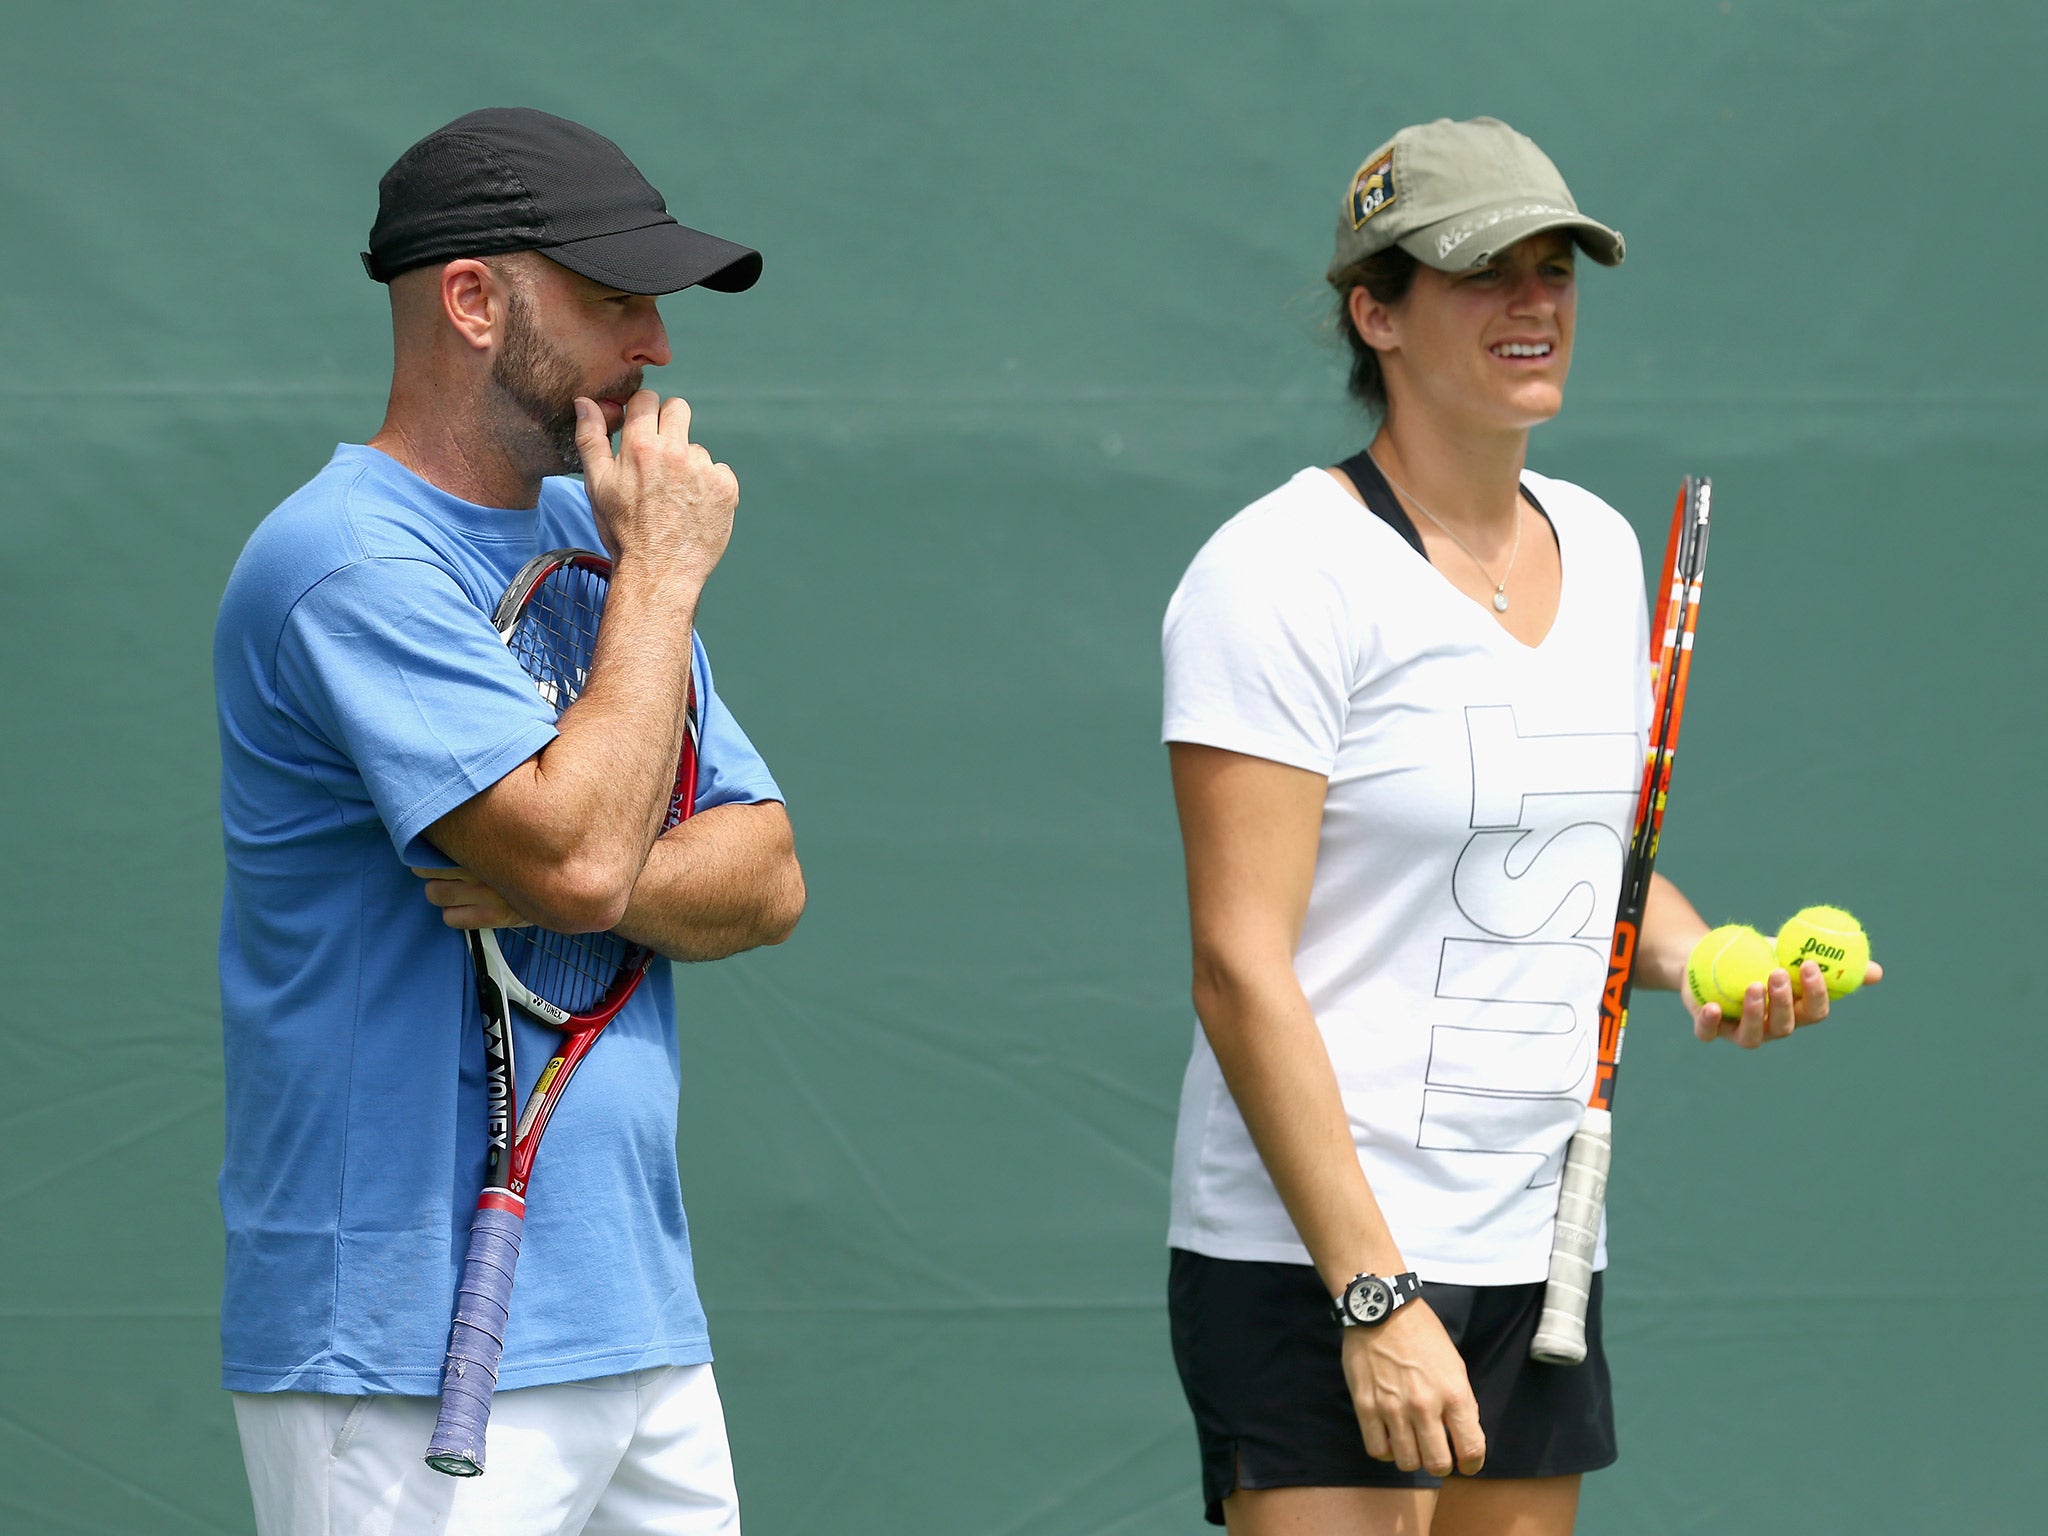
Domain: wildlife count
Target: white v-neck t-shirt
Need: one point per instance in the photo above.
(1481, 793)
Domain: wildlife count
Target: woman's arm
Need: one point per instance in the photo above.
(1250, 829)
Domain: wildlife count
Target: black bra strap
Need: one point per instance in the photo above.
(1381, 501)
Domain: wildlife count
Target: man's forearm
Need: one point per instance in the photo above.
(725, 880)
(564, 834)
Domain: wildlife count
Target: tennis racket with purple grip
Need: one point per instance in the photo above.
(572, 982)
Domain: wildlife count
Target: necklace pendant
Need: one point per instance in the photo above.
(1500, 601)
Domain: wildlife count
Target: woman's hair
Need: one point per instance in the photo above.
(1387, 275)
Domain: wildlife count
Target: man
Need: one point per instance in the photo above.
(384, 757)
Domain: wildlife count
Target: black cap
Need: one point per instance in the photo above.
(513, 179)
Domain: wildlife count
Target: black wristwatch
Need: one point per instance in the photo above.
(1367, 1301)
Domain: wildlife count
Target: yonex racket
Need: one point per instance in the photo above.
(1582, 1187)
(576, 983)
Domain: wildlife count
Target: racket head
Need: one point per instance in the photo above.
(549, 619)
(1685, 562)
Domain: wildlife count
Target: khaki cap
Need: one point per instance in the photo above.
(1453, 194)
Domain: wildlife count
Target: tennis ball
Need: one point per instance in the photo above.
(1832, 940)
(1724, 963)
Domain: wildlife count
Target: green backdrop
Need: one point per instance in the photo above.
(1042, 307)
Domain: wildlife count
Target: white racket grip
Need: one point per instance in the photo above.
(1581, 1197)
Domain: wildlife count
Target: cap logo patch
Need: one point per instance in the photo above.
(1372, 189)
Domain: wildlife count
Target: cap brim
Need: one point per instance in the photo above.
(661, 258)
(1471, 239)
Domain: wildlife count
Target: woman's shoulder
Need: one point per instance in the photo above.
(1577, 510)
(1306, 523)
(1307, 500)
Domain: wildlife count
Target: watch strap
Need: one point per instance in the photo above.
(1398, 1291)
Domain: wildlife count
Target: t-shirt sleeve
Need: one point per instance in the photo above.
(1646, 698)
(1631, 584)
(391, 664)
(729, 770)
(1258, 656)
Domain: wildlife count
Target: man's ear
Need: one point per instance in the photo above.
(473, 301)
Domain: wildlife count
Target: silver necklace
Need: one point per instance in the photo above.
(1500, 588)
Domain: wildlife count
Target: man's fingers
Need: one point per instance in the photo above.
(1374, 1429)
(675, 417)
(489, 914)
(593, 443)
(639, 434)
(466, 902)
(448, 890)
(724, 484)
(643, 413)
(662, 497)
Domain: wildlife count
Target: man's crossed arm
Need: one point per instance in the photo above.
(725, 880)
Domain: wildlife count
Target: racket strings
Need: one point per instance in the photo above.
(555, 641)
(1685, 564)
(574, 971)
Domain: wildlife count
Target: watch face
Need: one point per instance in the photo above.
(1368, 1300)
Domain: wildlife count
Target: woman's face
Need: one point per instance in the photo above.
(1490, 347)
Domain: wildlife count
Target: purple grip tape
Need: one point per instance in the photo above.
(470, 1373)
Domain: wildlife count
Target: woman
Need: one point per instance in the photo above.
(1406, 701)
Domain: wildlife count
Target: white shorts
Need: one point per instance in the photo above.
(616, 1456)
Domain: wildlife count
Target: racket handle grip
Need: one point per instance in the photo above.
(476, 1341)
(1581, 1197)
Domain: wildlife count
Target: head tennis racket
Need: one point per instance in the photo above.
(575, 983)
(1582, 1187)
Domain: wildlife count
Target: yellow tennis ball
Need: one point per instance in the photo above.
(1724, 963)
(1832, 940)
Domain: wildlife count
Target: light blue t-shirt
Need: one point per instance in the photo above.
(363, 694)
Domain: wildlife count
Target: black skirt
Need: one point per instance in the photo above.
(1260, 1361)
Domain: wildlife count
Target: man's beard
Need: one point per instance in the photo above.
(544, 384)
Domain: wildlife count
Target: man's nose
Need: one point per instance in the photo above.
(650, 347)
